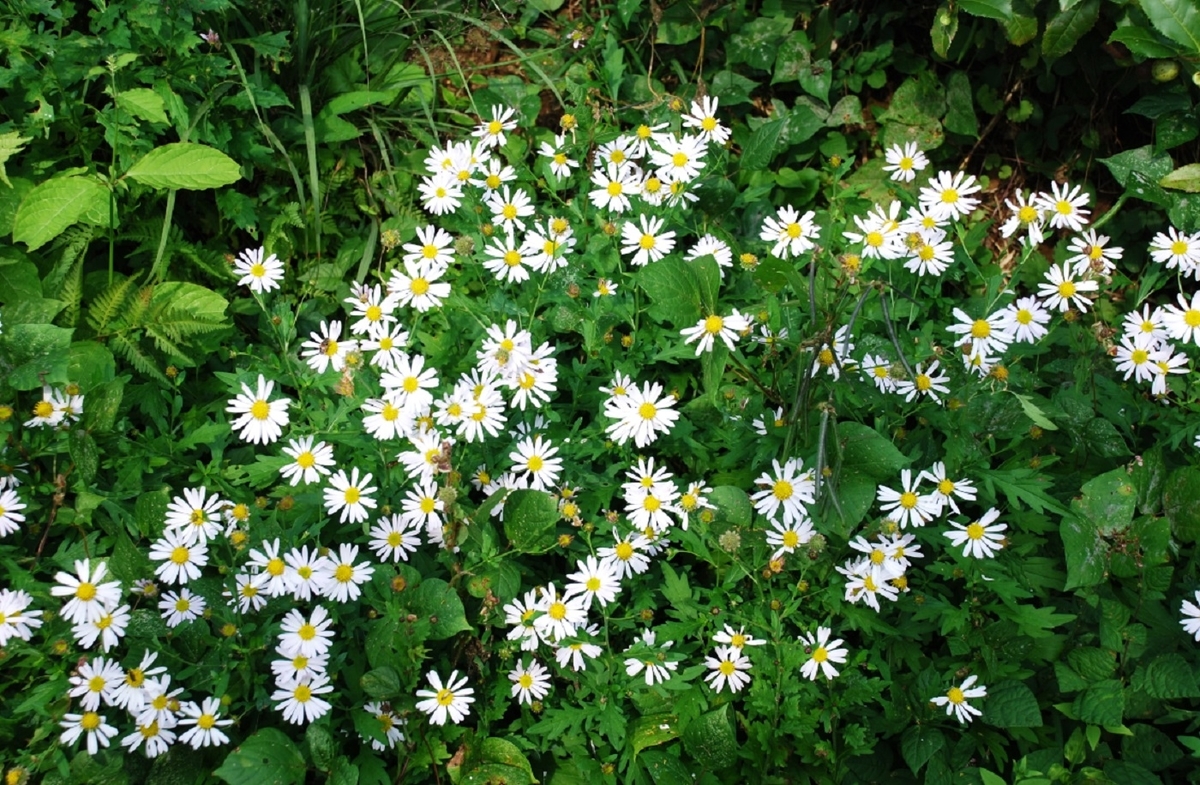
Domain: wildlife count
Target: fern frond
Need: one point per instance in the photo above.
(133, 353)
(71, 293)
(168, 346)
(109, 304)
(136, 309)
(73, 242)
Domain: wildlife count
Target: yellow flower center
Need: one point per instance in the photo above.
(924, 383)
(90, 721)
(727, 668)
(306, 632)
(206, 722)
(302, 693)
(790, 539)
(593, 584)
(495, 127)
(352, 495)
(782, 490)
(680, 159)
(344, 573)
(525, 681)
(275, 567)
(86, 591)
(956, 695)
(949, 196)
(260, 410)
(713, 324)
(43, 409)
(1067, 289)
(509, 211)
(975, 531)
(794, 230)
(647, 411)
(647, 242)
(614, 188)
(419, 286)
(1064, 207)
(389, 412)
(945, 487)
(908, 500)
(183, 605)
(709, 124)
(1139, 356)
(512, 258)
(1179, 248)
(980, 328)
(1095, 252)
(180, 555)
(820, 654)
(1024, 316)
(557, 611)
(1027, 214)
(905, 164)
(1191, 317)
(624, 551)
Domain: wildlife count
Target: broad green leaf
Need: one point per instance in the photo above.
(53, 206)
(710, 739)
(1021, 30)
(712, 368)
(1178, 20)
(89, 364)
(439, 604)
(84, 455)
(960, 107)
(666, 768)
(866, 452)
(1149, 476)
(185, 165)
(38, 353)
(1092, 663)
(855, 494)
(495, 773)
(1011, 704)
(708, 281)
(1102, 703)
(504, 752)
(652, 730)
(920, 743)
(759, 150)
(321, 745)
(381, 683)
(733, 505)
(19, 282)
(343, 772)
(674, 291)
(1149, 747)
(945, 28)
(1167, 677)
(195, 301)
(1108, 501)
(1181, 503)
(1142, 42)
(1086, 551)
(144, 103)
(266, 758)
(1065, 28)
(1185, 178)
(357, 99)
(991, 9)
(530, 518)
(101, 405)
(1140, 159)
(11, 143)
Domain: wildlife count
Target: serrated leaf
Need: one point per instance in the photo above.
(1181, 503)
(529, 520)
(1011, 704)
(54, 205)
(1091, 663)
(38, 353)
(439, 604)
(1167, 677)
(504, 752)
(1142, 160)
(1039, 417)
(1102, 703)
(710, 739)
(1086, 551)
(321, 745)
(185, 165)
(144, 103)
(1185, 178)
(11, 143)
(1142, 41)
(759, 150)
(1108, 501)
(652, 730)
(496, 774)
(101, 405)
(1065, 28)
(733, 505)
(674, 291)
(150, 512)
(1178, 20)
(266, 758)
(989, 9)
(920, 743)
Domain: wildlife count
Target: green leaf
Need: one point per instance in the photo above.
(708, 281)
(733, 505)
(945, 28)
(266, 758)
(343, 772)
(1065, 28)
(38, 353)
(88, 365)
(496, 774)
(1109, 501)
(150, 512)
(1178, 20)
(990, 9)
(438, 603)
(144, 103)
(53, 206)
(1185, 178)
(1150, 747)
(710, 739)
(673, 290)
(11, 143)
(960, 108)
(1021, 30)
(1142, 42)
(920, 743)
(1181, 503)
(1010, 704)
(504, 752)
(1167, 677)
(84, 454)
(1032, 411)
(321, 745)
(529, 520)
(1140, 159)
(185, 165)
(1086, 552)
(865, 451)
(381, 683)
(652, 730)
(712, 367)
(759, 150)
(1102, 703)
(1149, 476)
(19, 282)
(1092, 663)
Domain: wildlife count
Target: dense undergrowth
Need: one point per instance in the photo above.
(558, 391)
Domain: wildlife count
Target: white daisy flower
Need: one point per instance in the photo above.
(342, 580)
(642, 414)
(955, 700)
(434, 246)
(703, 117)
(1183, 323)
(298, 699)
(787, 536)
(350, 495)
(792, 233)
(929, 252)
(309, 637)
(727, 668)
(946, 490)
(182, 607)
(260, 274)
(614, 186)
(326, 349)
(1177, 249)
(822, 654)
(394, 537)
(530, 682)
(1092, 253)
(181, 559)
(787, 488)
(108, 630)
(908, 507)
(90, 724)
(260, 420)
(948, 195)
(679, 160)
(727, 328)
(1027, 214)
(1064, 205)
(560, 163)
(980, 539)
(1191, 617)
(10, 503)
(647, 242)
(492, 133)
(440, 194)
(1062, 290)
(904, 162)
(418, 285)
(925, 381)
(450, 700)
(1025, 320)
(206, 722)
(16, 620)
(708, 245)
